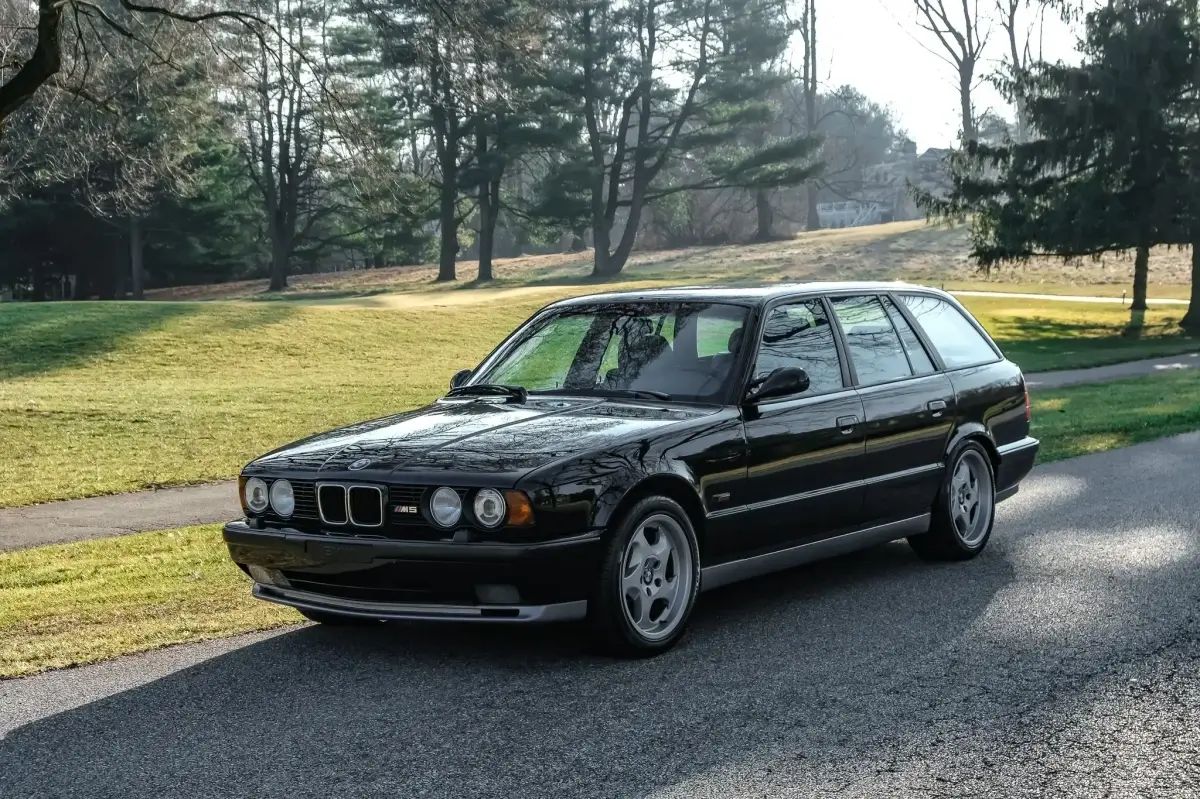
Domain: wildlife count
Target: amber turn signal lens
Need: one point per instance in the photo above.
(520, 509)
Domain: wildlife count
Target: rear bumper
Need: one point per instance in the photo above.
(437, 580)
(1016, 461)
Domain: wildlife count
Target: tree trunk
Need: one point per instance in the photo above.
(114, 283)
(616, 261)
(766, 215)
(136, 276)
(966, 76)
(280, 254)
(1137, 311)
(448, 222)
(1191, 320)
(489, 205)
(810, 101)
(601, 231)
(1141, 273)
(814, 219)
(600, 253)
(488, 213)
(41, 65)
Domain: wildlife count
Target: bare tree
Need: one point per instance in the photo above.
(279, 94)
(65, 32)
(1024, 47)
(962, 35)
(808, 80)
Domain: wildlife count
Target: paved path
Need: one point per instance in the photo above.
(1116, 371)
(104, 517)
(1064, 662)
(1017, 295)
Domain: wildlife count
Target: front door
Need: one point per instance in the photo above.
(805, 451)
(909, 407)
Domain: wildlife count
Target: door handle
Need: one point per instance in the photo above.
(846, 424)
(938, 407)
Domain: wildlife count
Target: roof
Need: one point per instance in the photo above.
(745, 295)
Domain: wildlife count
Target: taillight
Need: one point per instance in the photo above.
(1028, 410)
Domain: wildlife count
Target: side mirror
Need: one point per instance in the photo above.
(783, 382)
(460, 378)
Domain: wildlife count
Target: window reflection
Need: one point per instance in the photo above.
(918, 359)
(686, 350)
(799, 335)
(871, 340)
(955, 338)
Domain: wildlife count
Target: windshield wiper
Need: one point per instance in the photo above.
(634, 393)
(517, 393)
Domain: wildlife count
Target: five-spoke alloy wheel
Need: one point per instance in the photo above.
(649, 579)
(965, 509)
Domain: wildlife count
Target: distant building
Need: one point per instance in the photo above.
(886, 193)
(852, 213)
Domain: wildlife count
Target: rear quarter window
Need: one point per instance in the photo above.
(954, 337)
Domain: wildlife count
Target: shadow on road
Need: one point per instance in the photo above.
(409, 709)
(856, 671)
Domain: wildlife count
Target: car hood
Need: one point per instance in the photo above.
(475, 439)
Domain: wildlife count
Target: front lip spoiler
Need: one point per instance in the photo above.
(396, 611)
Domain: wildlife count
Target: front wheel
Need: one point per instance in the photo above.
(965, 509)
(648, 580)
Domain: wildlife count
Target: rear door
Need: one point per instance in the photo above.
(805, 451)
(909, 407)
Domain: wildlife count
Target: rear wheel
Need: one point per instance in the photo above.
(648, 580)
(965, 509)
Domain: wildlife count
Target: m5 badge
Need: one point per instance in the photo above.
(407, 510)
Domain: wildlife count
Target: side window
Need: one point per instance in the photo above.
(955, 338)
(871, 341)
(800, 335)
(918, 359)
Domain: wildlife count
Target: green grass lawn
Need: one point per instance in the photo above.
(70, 604)
(100, 398)
(1092, 418)
(78, 603)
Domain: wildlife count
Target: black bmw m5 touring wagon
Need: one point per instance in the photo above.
(619, 453)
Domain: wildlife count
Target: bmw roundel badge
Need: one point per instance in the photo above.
(361, 463)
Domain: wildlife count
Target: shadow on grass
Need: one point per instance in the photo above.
(46, 337)
(1040, 344)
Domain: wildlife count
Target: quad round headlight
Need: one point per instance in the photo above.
(255, 494)
(445, 507)
(490, 507)
(283, 499)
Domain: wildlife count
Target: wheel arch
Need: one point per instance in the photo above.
(978, 433)
(672, 486)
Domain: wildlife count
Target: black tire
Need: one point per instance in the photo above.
(946, 539)
(610, 609)
(335, 619)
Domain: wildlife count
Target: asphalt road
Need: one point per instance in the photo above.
(1065, 661)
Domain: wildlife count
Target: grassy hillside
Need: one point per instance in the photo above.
(914, 251)
(100, 398)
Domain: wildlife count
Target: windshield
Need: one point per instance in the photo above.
(683, 350)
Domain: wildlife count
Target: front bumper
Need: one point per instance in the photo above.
(441, 580)
(407, 611)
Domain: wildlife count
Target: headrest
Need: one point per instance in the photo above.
(735, 339)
